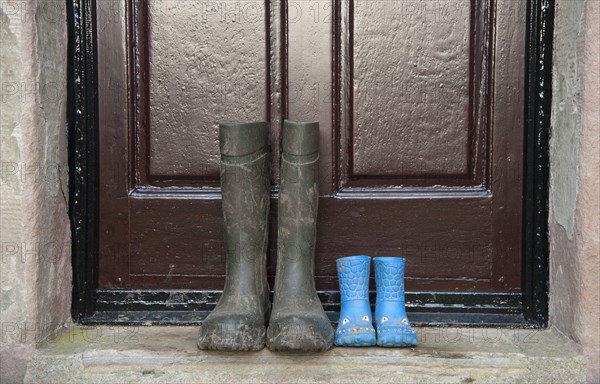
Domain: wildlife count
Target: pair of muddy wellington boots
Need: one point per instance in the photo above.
(243, 319)
(355, 327)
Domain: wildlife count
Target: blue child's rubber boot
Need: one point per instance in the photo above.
(355, 327)
(393, 328)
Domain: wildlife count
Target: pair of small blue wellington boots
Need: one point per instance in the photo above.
(355, 327)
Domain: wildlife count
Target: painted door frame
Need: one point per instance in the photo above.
(91, 305)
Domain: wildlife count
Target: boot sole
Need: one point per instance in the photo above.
(232, 337)
(298, 335)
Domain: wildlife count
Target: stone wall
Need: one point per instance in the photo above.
(575, 178)
(35, 270)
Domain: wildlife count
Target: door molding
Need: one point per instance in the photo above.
(90, 305)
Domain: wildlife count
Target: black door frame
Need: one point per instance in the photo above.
(92, 305)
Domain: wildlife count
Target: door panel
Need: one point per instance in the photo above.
(417, 108)
(410, 107)
(184, 66)
(201, 63)
(421, 111)
(207, 63)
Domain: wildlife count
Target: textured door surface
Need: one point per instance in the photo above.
(421, 110)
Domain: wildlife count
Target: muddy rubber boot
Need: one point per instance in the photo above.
(298, 322)
(355, 327)
(393, 327)
(238, 322)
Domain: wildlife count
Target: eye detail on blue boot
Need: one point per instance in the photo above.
(393, 327)
(355, 327)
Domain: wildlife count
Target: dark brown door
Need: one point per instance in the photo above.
(421, 109)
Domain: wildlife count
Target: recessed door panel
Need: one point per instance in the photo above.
(411, 69)
(206, 62)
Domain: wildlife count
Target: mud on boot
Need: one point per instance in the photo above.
(355, 326)
(298, 322)
(238, 322)
(393, 327)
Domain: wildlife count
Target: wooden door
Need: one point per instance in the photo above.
(421, 109)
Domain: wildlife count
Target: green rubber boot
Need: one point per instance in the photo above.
(238, 322)
(298, 322)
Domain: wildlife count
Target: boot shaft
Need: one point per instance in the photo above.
(237, 140)
(245, 187)
(389, 278)
(353, 277)
(297, 207)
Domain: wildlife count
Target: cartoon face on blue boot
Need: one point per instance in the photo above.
(355, 326)
(395, 331)
(393, 327)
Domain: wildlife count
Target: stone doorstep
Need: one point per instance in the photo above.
(156, 354)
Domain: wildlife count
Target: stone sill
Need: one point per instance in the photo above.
(168, 354)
